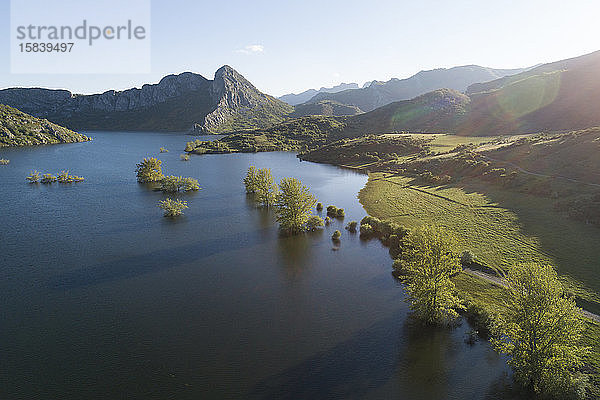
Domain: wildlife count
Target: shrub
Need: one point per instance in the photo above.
(34, 177)
(327, 220)
(352, 226)
(336, 235)
(64, 177)
(319, 206)
(163, 150)
(4, 161)
(314, 222)
(366, 230)
(173, 184)
(332, 211)
(149, 170)
(467, 258)
(172, 208)
(48, 178)
(185, 157)
(340, 213)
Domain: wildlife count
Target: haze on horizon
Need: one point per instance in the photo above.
(284, 48)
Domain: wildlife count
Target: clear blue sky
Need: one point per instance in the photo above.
(288, 46)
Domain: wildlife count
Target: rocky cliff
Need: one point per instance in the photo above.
(176, 103)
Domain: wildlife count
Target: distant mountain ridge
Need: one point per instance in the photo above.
(558, 96)
(176, 103)
(377, 94)
(295, 99)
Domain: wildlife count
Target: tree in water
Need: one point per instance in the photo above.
(173, 208)
(266, 189)
(149, 170)
(293, 205)
(541, 332)
(427, 263)
(251, 180)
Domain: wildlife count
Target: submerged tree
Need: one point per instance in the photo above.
(293, 205)
(34, 177)
(541, 332)
(172, 208)
(266, 189)
(149, 170)
(251, 180)
(48, 178)
(314, 222)
(427, 262)
(173, 184)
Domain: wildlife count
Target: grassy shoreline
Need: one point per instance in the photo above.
(390, 197)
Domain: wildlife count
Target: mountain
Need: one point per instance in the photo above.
(378, 94)
(295, 99)
(176, 103)
(20, 129)
(324, 107)
(558, 96)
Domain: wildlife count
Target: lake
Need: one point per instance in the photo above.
(104, 298)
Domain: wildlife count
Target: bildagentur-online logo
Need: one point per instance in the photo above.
(84, 32)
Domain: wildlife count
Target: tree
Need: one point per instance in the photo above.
(336, 235)
(293, 205)
(541, 332)
(149, 170)
(173, 184)
(265, 188)
(173, 208)
(314, 222)
(34, 177)
(427, 262)
(251, 180)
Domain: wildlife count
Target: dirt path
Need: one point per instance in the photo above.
(521, 169)
(500, 282)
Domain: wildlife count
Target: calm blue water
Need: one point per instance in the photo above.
(102, 297)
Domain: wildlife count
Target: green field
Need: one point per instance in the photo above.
(500, 228)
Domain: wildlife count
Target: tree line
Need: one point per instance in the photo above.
(540, 328)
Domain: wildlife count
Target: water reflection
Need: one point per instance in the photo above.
(351, 369)
(294, 254)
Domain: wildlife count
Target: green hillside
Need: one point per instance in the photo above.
(20, 129)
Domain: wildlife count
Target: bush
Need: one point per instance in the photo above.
(372, 222)
(34, 177)
(149, 170)
(4, 161)
(336, 235)
(173, 184)
(352, 226)
(163, 150)
(332, 211)
(48, 178)
(185, 157)
(319, 206)
(366, 230)
(340, 213)
(467, 258)
(327, 220)
(172, 208)
(314, 222)
(64, 177)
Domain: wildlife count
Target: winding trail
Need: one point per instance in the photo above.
(500, 282)
(521, 169)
